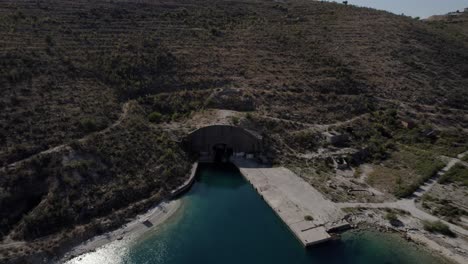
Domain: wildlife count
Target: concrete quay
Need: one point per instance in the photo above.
(188, 182)
(301, 207)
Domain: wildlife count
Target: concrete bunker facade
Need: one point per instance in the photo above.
(208, 140)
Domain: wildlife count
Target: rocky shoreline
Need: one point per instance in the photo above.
(453, 250)
(154, 217)
(150, 220)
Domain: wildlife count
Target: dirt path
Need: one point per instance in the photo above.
(409, 205)
(311, 127)
(58, 148)
(410, 104)
(317, 127)
(431, 182)
(293, 201)
(302, 197)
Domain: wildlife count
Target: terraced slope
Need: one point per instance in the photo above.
(68, 61)
(67, 67)
(454, 25)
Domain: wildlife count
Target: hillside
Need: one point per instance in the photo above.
(455, 24)
(96, 95)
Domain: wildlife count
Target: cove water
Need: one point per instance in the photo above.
(223, 220)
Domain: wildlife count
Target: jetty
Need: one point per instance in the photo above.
(310, 216)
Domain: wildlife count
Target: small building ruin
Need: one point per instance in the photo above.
(335, 138)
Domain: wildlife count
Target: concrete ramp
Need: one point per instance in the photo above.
(301, 207)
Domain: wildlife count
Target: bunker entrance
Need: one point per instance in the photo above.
(222, 152)
(218, 143)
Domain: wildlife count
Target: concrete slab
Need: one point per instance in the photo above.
(314, 236)
(293, 199)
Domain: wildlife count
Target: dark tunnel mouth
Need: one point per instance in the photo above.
(220, 142)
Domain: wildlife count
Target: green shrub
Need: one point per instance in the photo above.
(235, 120)
(304, 140)
(438, 227)
(169, 155)
(82, 166)
(155, 117)
(308, 218)
(457, 173)
(175, 116)
(450, 211)
(89, 124)
(465, 158)
(405, 191)
(391, 217)
(428, 197)
(135, 70)
(426, 166)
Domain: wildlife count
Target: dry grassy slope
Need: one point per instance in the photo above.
(88, 188)
(299, 60)
(455, 26)
(67, 67)
(403, 59)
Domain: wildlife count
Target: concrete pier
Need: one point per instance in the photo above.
(301, 207)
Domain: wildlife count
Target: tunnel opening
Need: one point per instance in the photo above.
(219, 143)
(219, 152)
(222, 153)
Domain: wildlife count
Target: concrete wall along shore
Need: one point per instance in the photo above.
(187, 184)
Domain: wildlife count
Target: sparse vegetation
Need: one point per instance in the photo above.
(457, 174)
(391, 217)
(136, 69)
(67, 68)
(235, 120)
(449, 211)
(92, 178)
(465, 158)
(438, 227)
(89, 125)
(350, 210)
(304, 140)
(448, 205)
(449, 143)
(155, 117)
(405, 171)
(173, 106)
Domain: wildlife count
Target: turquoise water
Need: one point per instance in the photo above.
(223, 220)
